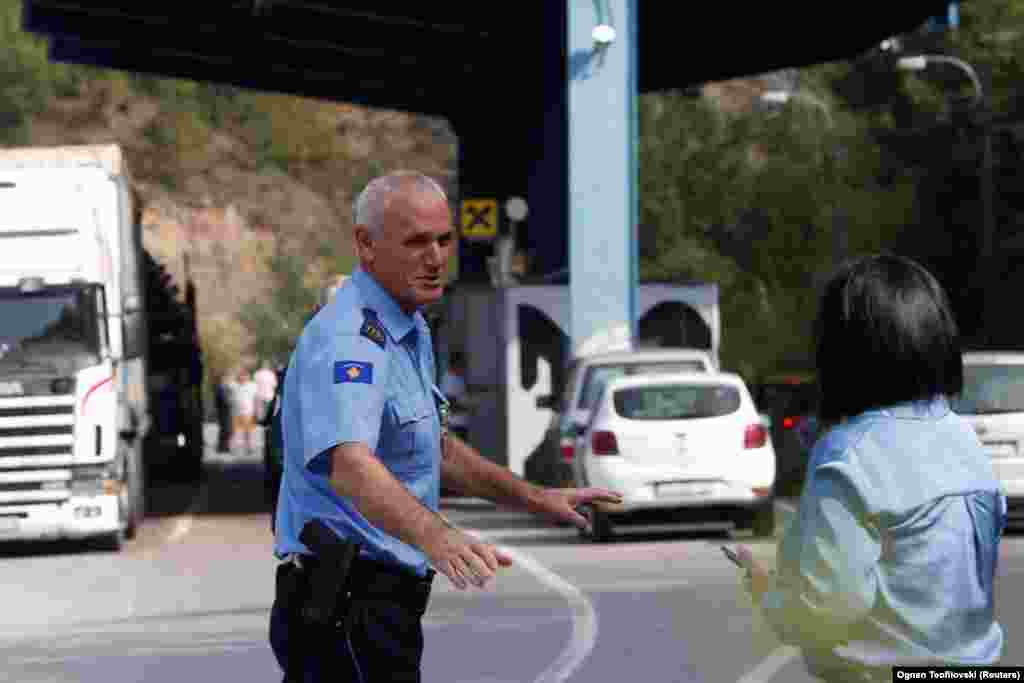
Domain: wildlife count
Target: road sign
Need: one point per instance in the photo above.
(479, 219)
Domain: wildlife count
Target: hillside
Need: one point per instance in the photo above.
(231, 177)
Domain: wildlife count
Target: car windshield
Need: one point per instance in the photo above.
(991, 389)
(598, 375)
(676, 401)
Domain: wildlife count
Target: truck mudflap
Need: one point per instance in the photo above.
(75, 518)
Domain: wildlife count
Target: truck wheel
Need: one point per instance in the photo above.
(112, 542)
(137, 493)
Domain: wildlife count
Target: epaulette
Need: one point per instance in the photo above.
(372, 328)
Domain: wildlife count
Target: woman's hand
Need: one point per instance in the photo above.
(760, 579)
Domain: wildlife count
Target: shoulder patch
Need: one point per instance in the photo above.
(353, 371)
(372, 328)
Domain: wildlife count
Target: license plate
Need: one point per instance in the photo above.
(687, 490)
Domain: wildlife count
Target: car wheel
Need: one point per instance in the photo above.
(600, 524)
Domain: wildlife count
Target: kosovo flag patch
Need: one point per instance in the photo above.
(372, 329)
(353, 371)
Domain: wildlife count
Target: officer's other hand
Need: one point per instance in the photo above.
(561, 504)
(465, 559)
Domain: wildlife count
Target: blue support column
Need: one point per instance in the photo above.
(602, 167)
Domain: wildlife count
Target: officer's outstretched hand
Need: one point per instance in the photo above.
(464, 559)
(561, 504)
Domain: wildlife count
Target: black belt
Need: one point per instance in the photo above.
(376, 580)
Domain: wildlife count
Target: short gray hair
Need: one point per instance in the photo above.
(379, 192)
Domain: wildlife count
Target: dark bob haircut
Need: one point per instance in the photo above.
(885, 335)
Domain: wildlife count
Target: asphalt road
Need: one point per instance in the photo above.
(188, 601)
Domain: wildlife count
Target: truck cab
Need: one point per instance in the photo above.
(72, 371)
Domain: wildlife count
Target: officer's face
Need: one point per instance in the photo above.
(410, 258)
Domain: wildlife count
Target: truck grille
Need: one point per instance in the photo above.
(36, 436)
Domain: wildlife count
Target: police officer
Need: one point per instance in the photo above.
(365, 450)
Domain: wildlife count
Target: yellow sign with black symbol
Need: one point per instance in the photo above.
(479, 219)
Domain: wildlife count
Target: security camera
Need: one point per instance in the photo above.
(603, 35)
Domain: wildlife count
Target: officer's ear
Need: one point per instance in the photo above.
(364, 243)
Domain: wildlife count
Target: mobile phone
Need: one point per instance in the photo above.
(733, 557)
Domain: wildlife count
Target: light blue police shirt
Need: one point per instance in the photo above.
(891, 556)
(362, 371)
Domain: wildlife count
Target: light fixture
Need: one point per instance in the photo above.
(775, 96)
(516, 208)
(913, 63)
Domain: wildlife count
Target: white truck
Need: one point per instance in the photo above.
(73, 401)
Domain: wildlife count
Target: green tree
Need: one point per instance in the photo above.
(765, 205)
(25, 75)
(275, 324)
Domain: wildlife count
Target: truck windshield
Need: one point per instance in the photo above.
(50, 327)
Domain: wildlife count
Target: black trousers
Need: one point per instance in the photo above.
(382, 641)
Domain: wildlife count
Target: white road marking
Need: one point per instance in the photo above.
(184, 523)
(584, 617)
(771, 665)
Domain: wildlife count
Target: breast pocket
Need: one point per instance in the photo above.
(414, 417)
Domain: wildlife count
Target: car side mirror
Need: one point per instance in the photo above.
(547, 401)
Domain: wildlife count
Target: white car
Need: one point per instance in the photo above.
(993, 402)
(680, 448)
(585, 377)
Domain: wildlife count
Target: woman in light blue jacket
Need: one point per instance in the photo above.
(891, 556)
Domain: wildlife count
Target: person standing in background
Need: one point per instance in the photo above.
(243, 405)
(266, 387)
(222, 404)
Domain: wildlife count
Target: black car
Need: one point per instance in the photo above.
(789, 401)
